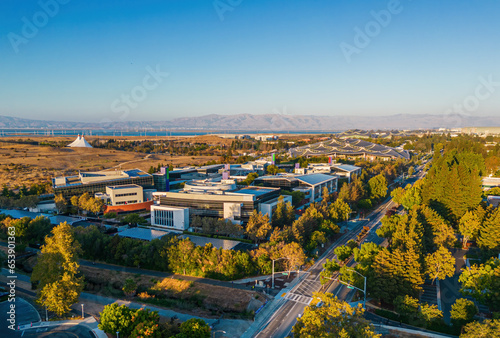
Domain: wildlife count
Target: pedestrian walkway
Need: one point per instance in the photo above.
(429, 294)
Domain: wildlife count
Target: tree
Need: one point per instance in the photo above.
(115, 318)
(396, 273)
(56, 270)
(411, 170)
(463, 312)
(145, 323)
(134, 219)
(129, 322)
(378, 187)
(284, 215)
(440, 264)
(74, 202)
(258, 226)
(343, 252)
(489, 234)
(194, 328)
(60, 202)
(273, 170)
(129, 287)
(481, 281)
(487, 329)
(329, 268)
(294, 254)
(469, 226)
(339, 211)
(326, 316)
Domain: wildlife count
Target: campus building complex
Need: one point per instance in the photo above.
(95, 182)
(213, 199)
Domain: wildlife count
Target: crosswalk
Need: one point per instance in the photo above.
(298, 298)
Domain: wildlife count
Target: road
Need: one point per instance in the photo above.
(281, 323)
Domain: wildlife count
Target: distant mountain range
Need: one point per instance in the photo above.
(271, 122)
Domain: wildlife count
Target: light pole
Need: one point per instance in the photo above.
(364, 288)
(117, 334)
(277, 259)
(352, 286)
(213, 335)
(46, 314)
(83, 315)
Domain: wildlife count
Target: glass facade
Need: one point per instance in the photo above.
(164, 217)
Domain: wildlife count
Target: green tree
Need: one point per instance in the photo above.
(116, 318)
(273, 170)
(134, 219)
(194, 328)
(480, 281)
(489, 233)
(343, 252)
(378, 187)
(284, 215)
(60, 202)
(463, 312)
(440, 264)
(56, 271)
(74, 203)
(258, 226)
(339, 211)
(469, 226)
(487, 329)
(329, 268)
(332, 319)
(129, 287)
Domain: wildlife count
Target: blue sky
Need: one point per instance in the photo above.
(84, 58)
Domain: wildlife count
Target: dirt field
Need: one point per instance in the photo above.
(212, 298)
(28, 164)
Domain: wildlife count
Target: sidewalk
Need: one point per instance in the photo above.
(271, 307)
(90, 322)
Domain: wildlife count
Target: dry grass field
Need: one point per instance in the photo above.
(28, 164)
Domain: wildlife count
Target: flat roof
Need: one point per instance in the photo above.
(143, 233)
(225, 244)
(315, 179)
(256, 191)
(126, 186)
(347, 167)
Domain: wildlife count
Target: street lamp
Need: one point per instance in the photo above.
(83, 315)
(213, 336)
(364, 288)
(117, 334)
(352, 286)
(277, 259)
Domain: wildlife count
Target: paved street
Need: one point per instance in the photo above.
(293, 303)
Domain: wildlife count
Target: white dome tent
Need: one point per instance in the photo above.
(80, 142)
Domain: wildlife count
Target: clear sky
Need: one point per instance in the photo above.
(91, 60)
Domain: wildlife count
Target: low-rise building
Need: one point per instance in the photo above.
(170, 218)
(219, 199)
(310, 184)
(94, 182)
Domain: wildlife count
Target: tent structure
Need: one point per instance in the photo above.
(80, 142)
